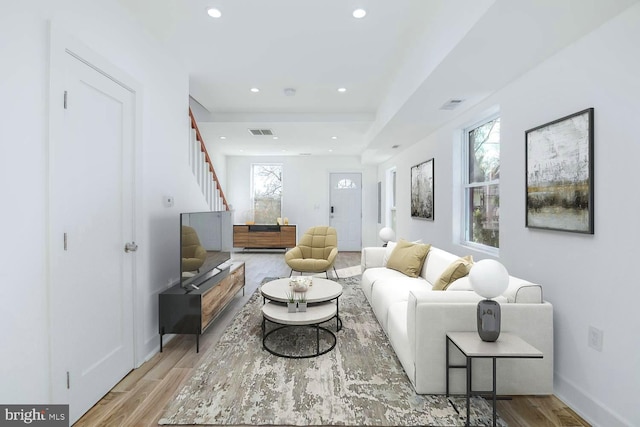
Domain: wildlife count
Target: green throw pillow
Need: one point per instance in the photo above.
(457, 269)
(408, 258)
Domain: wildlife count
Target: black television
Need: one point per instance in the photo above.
(206, 241)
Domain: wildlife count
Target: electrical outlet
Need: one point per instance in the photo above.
(595, 338)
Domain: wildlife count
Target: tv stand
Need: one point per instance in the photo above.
(264, 236)
(191, 311)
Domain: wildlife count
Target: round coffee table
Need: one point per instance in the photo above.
(322, 290)
(313, 317)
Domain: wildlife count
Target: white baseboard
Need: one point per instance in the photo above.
(590, 409)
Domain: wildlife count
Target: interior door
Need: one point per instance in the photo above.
(91, 208)
(346, 209)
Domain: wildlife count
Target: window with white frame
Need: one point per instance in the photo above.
(266, 192)
(482, 184)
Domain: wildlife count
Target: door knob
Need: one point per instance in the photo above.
(130, 247)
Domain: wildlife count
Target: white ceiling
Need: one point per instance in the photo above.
(399, 64)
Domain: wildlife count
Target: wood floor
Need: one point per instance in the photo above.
(140, 398)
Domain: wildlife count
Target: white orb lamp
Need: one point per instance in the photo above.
(386, 235)
(489, 279)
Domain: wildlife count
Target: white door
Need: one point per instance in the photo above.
(346, 209)
(91, 206)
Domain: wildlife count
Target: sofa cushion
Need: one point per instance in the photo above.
(385, 293)
(437, 261)
(372, 275)
(456, 270)
(408, 258)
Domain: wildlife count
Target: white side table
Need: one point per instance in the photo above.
(508, 346)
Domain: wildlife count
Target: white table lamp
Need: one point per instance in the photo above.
(489, 279)
(386, 235)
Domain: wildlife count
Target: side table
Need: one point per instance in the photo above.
(508, 346)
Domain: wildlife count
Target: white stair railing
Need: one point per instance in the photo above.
(203, 170)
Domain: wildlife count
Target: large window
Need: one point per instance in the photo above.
(266, 192)
(482, 183)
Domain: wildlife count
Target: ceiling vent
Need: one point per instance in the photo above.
(452, 104)
(304, 154)
(258, 132)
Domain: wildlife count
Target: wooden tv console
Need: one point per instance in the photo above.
(183, 311)
(264, 236)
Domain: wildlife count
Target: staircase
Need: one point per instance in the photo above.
(202, 169)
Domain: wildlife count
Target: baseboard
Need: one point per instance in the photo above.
(590, 409)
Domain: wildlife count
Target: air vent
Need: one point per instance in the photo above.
(304, 154)
(259, 132)
(452, 104)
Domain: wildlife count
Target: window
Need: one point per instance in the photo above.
(482, 184)
(266, 192)
(345, 184)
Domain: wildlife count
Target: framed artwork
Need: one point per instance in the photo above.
(422, 187)
(559, 172)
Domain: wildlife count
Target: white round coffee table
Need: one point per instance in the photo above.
(313, 317)
(321, 290)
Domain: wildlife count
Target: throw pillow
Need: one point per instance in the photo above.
(457, 269)
(408, 258)
(389, 249)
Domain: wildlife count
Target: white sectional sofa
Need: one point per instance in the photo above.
(416, 319)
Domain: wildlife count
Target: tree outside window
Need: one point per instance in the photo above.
(482, 185)
(266, 184)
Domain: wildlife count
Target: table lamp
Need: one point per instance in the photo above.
(489, 279)
(386, 235)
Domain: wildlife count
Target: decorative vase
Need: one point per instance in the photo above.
(488, 320)
(302, 306)
(291, 306)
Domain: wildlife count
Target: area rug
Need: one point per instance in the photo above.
(358, 383)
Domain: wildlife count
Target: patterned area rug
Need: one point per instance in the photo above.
(358, 383)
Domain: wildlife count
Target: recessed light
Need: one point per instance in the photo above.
(275, 137)
(215, 13)
(342, 89)
(223, 137)
(334, 137)
(359, 13)
(331, 151)
(255, 90)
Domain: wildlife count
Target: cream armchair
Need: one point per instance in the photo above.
(316, 251)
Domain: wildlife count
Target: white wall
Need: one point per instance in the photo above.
(590, 279)
(24, 77)
(305, 189)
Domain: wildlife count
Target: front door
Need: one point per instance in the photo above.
(91, 207)
(346, 209)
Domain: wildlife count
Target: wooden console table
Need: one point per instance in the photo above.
(183, 311)
(264, 236)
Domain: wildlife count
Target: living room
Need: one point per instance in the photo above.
(583, 275)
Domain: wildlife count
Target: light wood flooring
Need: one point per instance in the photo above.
(140, 398)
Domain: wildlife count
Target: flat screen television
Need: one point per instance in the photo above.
(206, 241)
